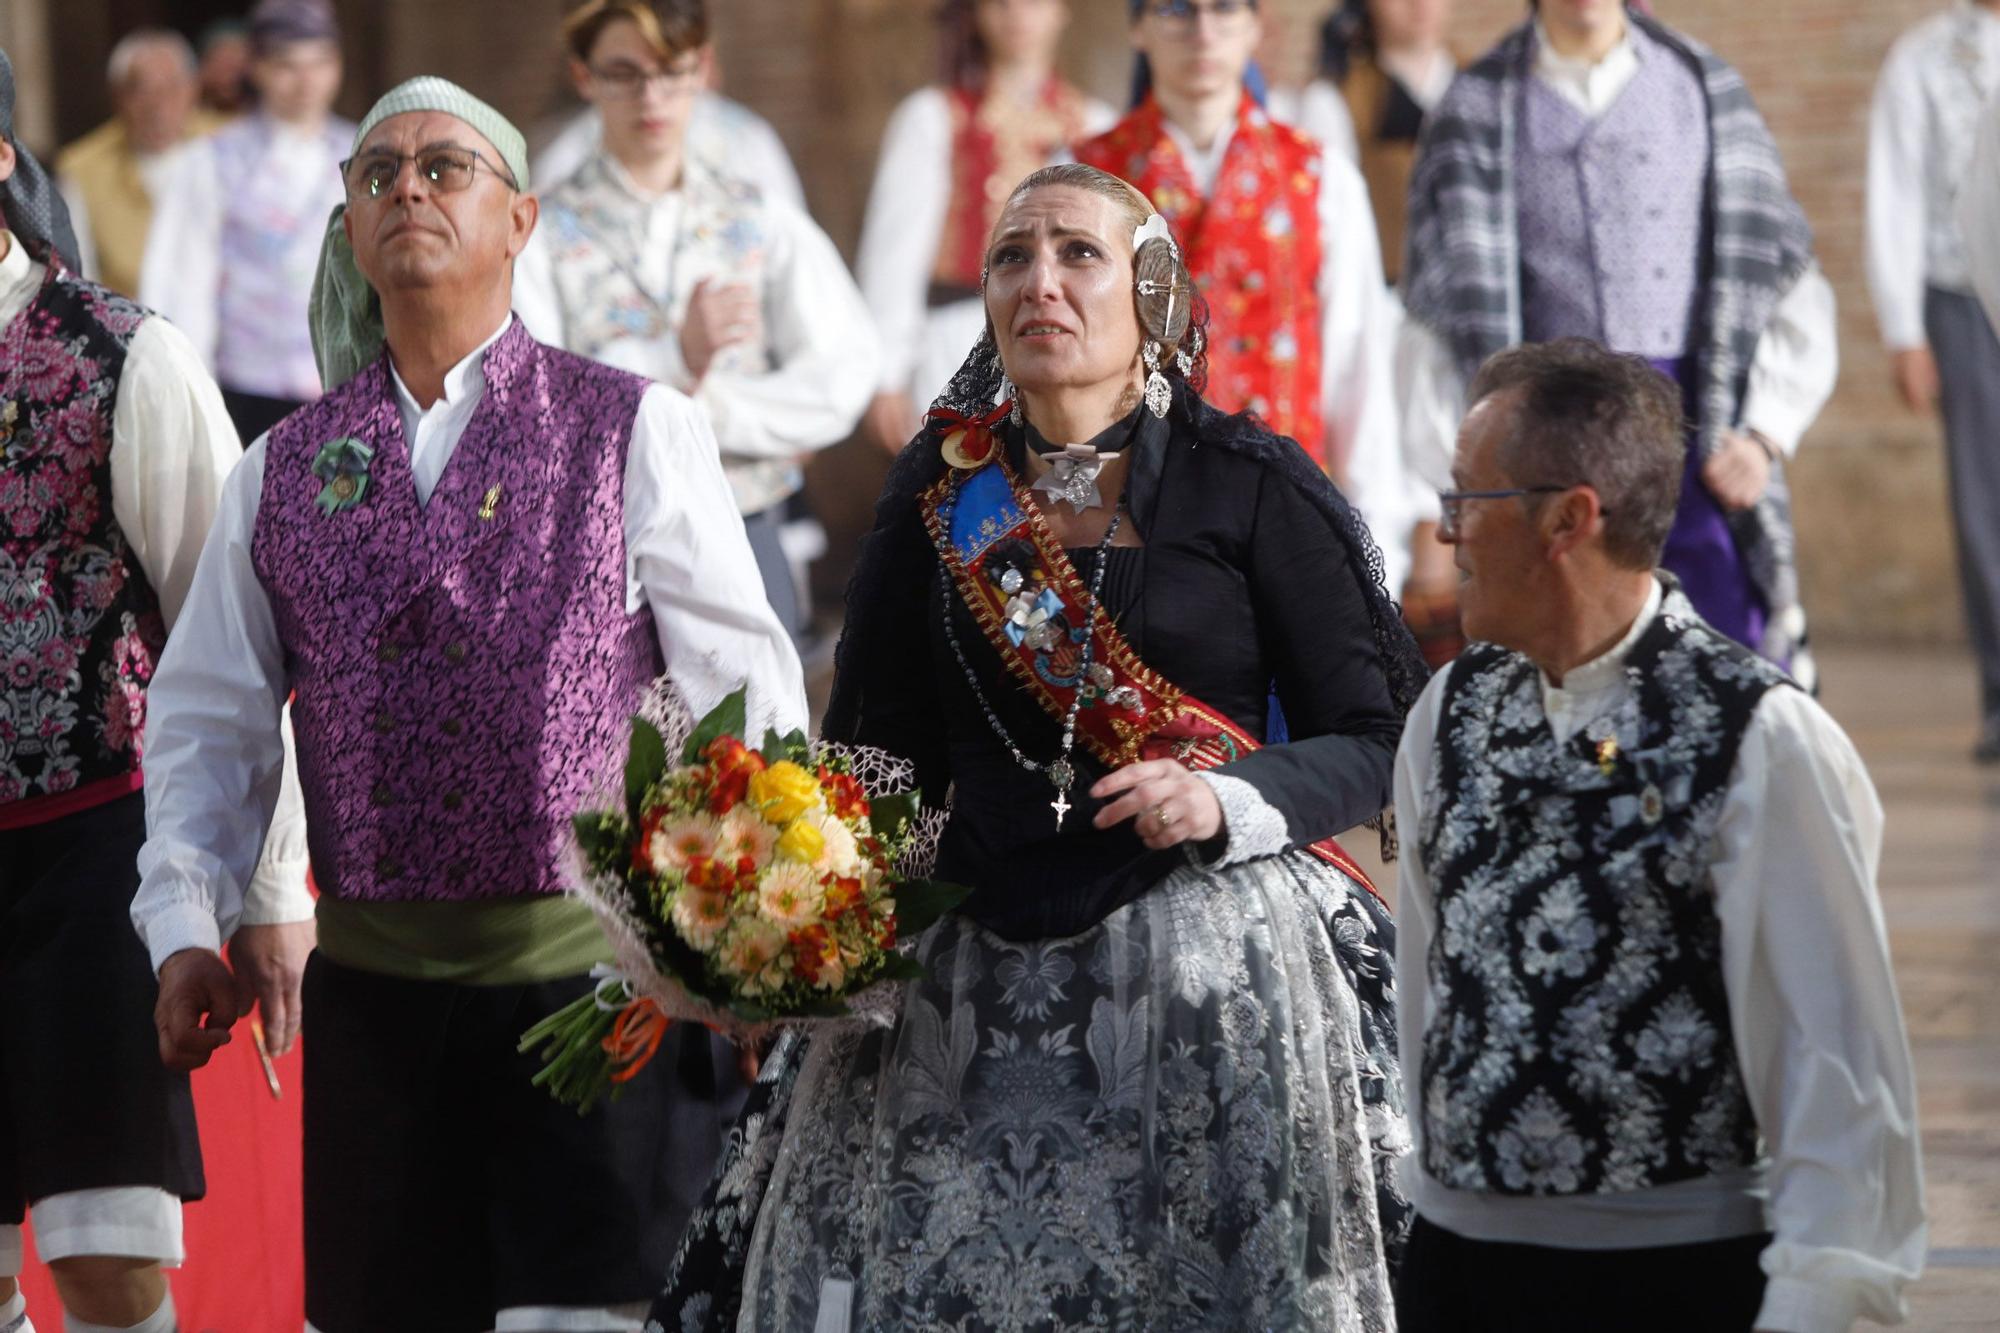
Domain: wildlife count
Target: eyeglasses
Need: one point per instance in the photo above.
(447, 167)
(1180, 16)
(628, 82)
(1450, 502)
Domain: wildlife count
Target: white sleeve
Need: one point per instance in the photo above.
(1433, 396)
(215, 751)
(1899, 152)
(1817, 1026)
(1356, 318)
(535, 297)
(1414, 902)
(1098, 116)
(79, 221)
(1979, 213)
(689, 560)
(903, 228)
(766, 161)
(1323, 114)
(172, 445)
(1796, 365)
(826, 360)
(180, 275)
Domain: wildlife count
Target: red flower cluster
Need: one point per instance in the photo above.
(713, 874)
(731, 765)
(843, 794)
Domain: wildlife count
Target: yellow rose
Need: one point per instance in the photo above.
(801, 842)
(783, 792)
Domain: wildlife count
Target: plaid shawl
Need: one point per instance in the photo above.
(1461, 275)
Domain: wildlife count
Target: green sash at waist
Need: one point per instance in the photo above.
(497, 942)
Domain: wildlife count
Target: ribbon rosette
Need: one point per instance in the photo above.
(343, 465)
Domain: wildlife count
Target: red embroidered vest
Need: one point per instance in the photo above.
(1254, 251)
(80, 626)
(993, 148)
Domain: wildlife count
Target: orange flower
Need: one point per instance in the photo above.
(635, 1038)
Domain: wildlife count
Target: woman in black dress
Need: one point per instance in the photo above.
(1149, 1080)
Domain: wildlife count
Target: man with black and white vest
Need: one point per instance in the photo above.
(1656, 1067)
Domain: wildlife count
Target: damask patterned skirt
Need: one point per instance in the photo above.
(1187, 1117)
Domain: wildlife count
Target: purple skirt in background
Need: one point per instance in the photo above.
(1701, 551)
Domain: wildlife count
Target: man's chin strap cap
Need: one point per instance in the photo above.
(345, 312)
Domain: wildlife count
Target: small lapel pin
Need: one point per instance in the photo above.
(1607, 755)
(488, 506)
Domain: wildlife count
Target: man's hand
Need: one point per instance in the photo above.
(1737, 473)
(718, 315)
(1916, 377)
(270, 962)
(890, 421)
(195, 982)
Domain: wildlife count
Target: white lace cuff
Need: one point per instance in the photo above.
(1251, 826)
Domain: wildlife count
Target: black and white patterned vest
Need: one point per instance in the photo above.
(1579, 1038)
(80, 626)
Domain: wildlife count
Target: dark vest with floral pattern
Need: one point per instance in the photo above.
(80, 625)
(1579, 1038)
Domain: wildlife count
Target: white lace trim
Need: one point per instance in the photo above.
(1254, 827)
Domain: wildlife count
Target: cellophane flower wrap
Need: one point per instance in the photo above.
(742, 887)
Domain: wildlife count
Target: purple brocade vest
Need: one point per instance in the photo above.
(464, 670)
(80, 625)
(1612, 210)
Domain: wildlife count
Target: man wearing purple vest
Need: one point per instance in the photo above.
(1599, 175)
(113, 449)
(466, 563)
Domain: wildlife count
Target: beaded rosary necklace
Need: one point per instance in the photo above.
(1060, 772)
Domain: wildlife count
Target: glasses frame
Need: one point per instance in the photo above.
(478, 159)
(623, 88)
(1449, 502)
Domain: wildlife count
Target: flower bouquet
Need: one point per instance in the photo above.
(743, 889)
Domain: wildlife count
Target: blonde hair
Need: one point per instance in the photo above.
(671, 27)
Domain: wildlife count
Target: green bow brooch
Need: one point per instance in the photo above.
(343, 465)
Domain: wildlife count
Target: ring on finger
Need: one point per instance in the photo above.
(1162, 818)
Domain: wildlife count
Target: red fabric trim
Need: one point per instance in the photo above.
(47, 809)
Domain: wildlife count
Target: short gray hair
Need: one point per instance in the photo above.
(138, 42)
(1585, 416)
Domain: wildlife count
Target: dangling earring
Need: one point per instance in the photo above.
(1159, 394)
(1010, 396)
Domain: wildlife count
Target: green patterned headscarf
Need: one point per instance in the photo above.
(345, 313)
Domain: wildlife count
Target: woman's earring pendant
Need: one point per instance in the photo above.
(1159, 394)
(1013, 398)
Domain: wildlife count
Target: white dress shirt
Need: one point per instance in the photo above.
(182, 274)
(1813, 1010)
(818, 362)
(900, 235)
(172, 446)
(727, 134)
(1792, 374)
(1979, 214)
(212, 740)
(1938, 78)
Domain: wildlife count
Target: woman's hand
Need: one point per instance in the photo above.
(1170, 804)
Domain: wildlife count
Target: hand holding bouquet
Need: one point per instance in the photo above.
(742, 888)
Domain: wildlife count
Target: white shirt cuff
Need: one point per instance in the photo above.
(278, 894)
(1793, 1305)
(179, 926)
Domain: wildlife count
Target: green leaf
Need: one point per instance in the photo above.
(601, 835)
(796, 745)
(775, 748)
(902, 967)
(920, 903)
(891, 816)
(725, 719)
(645, 764)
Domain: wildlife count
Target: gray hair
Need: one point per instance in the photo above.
(1585, 416)
(138, 42)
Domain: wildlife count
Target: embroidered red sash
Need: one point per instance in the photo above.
(1030, 603)
(1254, 249)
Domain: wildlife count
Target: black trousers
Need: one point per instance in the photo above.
(441, 1188)
(1453, 1284)
(84, 1101)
